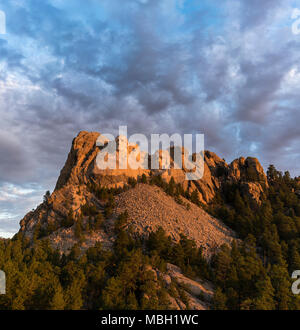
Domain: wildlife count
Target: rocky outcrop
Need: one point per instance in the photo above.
(81, 169)
(197, 288)
(149, 207)
(80, 162)
(182, 292)
(198, 293)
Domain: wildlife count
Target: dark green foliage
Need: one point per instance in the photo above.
(273, 174)
(185, 254)
(257, 275)
(172, 189)
(195, 197)
(46, 196)
(79, 228)
(158, 181)
(89, 210)
(98, 222)
(39, 278)
(221, 171)
(144, 179)
(103, 193)
(69, 220)
(132, 182)
(51, 227)
(242, 279)
(254, 274)
(121, 221)
(178, 200)
(219, 301)
(109, 207)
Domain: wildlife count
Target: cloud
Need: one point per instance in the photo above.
(256, 12)
(14, 201)
(227, 70)
(14, 163)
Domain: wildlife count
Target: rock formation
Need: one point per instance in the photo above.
(148, 206)
(80, 169)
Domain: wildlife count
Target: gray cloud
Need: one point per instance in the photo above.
(230, 72)
(255, 12)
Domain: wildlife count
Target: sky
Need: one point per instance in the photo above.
(228, 69)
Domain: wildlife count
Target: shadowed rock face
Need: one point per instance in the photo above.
(80, 169)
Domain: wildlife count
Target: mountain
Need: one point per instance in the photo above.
(149, 239)
(80, 197)
(80, 171)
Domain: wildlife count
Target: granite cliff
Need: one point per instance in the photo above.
(148, 206)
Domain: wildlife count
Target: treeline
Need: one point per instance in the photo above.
(252, 274)
(258, 274)
(40, 278)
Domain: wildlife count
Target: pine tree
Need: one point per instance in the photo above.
(47, 196)
(282, 285)
(58, 302)
(239, 203)
(78, 228)
(144, 179)
(131, 301)
(219, 300)
(265, 299)
(113, 294)
(195, 197)
(272, 173)
(222, 265)
(295, 259)
(69, 220)
(74, 300)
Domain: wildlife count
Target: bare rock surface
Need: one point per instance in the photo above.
(81, 169)
(64, 239)
(197, 288)
(150, 208)
(198, 293)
